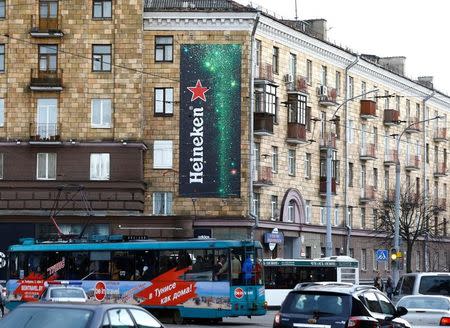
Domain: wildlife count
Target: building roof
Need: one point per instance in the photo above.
(195, 5)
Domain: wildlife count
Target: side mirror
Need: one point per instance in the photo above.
(400, 311)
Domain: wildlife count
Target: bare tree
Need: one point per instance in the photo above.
(418, 218)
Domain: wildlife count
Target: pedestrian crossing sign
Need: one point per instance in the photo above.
(382, 255)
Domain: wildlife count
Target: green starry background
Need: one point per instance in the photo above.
(218, 67)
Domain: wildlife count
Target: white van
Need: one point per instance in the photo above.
(425, 283)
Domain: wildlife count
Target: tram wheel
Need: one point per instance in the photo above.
(177, 318)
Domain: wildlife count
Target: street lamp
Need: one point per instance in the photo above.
(395, 270)
(329, 241)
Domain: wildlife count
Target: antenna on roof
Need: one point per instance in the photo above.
(296, 16)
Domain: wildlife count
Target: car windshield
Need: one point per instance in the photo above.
(435, 303)
(435, 285)
(48, 317)
(66, 292)
(317, 304)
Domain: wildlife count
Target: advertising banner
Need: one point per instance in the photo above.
(210, 120)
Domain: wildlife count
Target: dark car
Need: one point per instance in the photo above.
(335, 305)
(76, 315)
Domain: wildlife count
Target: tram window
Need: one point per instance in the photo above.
(77, 264)
(167, 260)
(99, 266)
(222, 265)
(146, 265)
(18, 266)
(55, 265)
(122, 265)
(202, 265)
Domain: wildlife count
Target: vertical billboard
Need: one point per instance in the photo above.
(210, 120)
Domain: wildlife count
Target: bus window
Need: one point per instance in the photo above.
(17, 266)
(99, 266)
(77, 264)
(167, 260)
(122, 265)
(222, 265)
(146, 265)
(202, 265)
(55, 265)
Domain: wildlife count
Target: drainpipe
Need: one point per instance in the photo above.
(251, 123)
(347, 223)
(426, 260)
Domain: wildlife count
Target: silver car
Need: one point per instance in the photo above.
(64, 294)
(426, 310)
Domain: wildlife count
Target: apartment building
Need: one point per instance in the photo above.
(168, 119)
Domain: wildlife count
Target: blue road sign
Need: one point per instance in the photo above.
(382, 255)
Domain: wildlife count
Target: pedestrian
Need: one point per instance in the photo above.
(2, 300)
(389, 287)
(378, 281)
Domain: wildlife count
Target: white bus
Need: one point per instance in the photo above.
(282, 275)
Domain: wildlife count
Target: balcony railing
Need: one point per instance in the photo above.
(440, 204)
(45, 27)
(440, 135)
(263, 124)
(45, 132)
(412, 163)
(46, 80)
(323, 186)
(368, 152)
(390, 157)
(265, 72)
(367, 194)
(440, 170)
(327, 140)
(327, 96)
(299, 85)
(413, 125)
(368, 109)
(263, 176)
(296, 133)
(391, 116)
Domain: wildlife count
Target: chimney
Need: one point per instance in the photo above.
(394, 64)
(317, 28)
(426, 81)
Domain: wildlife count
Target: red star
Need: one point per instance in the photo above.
(198, 91)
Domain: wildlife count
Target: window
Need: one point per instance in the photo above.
(275, 59)
(291, 211)
(323, 215)
(162, 203)
(2, 8)
(99, 166)
(162, 154)
(46, 166)
(163, 101)
(101, 113)
(48, 9)
(338, 83)
(274, 208)
(120, 318)
(386, 99)
(307, 165)
(47, 118)
(1, 165)
(163, 48)
(2, 112)
(101, 58)
(293, 65)
(350, 132)
(324, 76)
(258, 52)
(363, 259)
(374, 259)
(297, 109)
(102, 9)
(336, 216)
(291, 161)
(143, 319)
(417, 260)
(363, 89)
(309, 71)
(308, 211)
(256, 205)
(274, 159)
(363, 217)
(375, 178)
(351, 87)
(350, 174)
(397, 102)
(350, 216)
(2, 57)
(48, 58)
(266, 101)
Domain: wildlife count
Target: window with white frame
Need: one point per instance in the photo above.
(99, 166)
(336, 216)
(291, 162)
(293, 65)
(101, 113)
(323, 215)
(274, 159)
(363, 217)
(363, 90)
(256, 205)
(1, 165)
(363, 259)
(291, 211)
(162, 154)
(350, 132)
(307, 165)
(338, 83)
(324, 76)
(308, 211)
(164, 101)
(2, 8)
(2, 54)
(274, 208)
(102, 9)
(162, 203)
(386, 99)
(351, 87)
(164, 48)
(2, 112)
(350, 216)
(374, 260)
(46, 166)
(309, 72)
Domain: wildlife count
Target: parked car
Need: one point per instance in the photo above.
(72, 315)
(337, 306)
(426, 310)
(63, 293)
(425, 283)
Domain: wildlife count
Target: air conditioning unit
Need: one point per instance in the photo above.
(322, 90)
(288, 78)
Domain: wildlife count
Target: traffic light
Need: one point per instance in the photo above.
(394, 258)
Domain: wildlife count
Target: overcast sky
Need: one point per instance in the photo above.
(415, 29)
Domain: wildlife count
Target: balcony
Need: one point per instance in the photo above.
(389, 196)
(368, 194)
(368, 152)
(45, 27)
(391, 117)
(45, 133)
(440, 170)
(296, 133)
(390, 157)
(440, 204)
(264, 72)
(368, 109)
(46, 80)
(263, 124)
(327, 140)
(327, 96)
(323, 186)
(299, 85)
(440, 135)
(263, 176)
(412, 125)
(412, 163)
